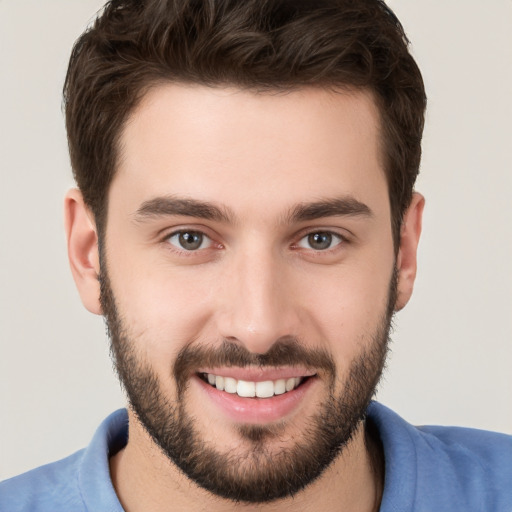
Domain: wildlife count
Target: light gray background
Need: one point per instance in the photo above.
(452, 355)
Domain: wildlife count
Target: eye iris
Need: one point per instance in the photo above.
(320, 241)
(191, 240)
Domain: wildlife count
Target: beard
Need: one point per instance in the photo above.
(253, 472)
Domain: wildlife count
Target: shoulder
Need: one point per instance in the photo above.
(448, 467)
(490, 451)
(53, 487)
(77, 483)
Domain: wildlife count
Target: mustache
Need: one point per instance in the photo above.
(286, 351)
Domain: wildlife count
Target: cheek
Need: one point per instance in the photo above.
(346, 310)
(164, 308)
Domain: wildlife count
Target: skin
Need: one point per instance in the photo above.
(257, 157)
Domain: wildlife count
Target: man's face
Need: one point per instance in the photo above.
(248, 251)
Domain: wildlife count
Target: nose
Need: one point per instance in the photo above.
(258, 303)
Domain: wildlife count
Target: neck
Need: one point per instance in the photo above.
(145, 480)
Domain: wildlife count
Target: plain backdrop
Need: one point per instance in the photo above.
(451, 354)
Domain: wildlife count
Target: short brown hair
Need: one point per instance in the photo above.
(255, 44)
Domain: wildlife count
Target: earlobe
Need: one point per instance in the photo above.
(82, 242)
(407, 254)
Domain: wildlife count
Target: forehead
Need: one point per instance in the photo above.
(251, 150)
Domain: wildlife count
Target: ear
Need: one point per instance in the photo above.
(407, 254)
(83, 254)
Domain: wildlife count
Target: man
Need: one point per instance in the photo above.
(245, 221)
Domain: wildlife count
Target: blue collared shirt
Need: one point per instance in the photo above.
(427, 469)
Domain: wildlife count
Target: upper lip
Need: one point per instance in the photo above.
(257, 374)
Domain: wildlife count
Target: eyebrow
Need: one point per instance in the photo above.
(336, 207)
(171, 205)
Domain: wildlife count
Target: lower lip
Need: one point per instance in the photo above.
(257, 410)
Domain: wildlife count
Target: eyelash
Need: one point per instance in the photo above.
(336, 238)
(185, 252)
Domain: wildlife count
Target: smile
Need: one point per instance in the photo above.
(249, 389)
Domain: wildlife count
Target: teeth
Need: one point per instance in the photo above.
(247, 389)
(230, 385)
(265, 389)
(279, 387)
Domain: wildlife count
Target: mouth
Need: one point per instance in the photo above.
(253, 389)
(252, 396)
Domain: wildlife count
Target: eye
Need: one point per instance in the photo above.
(320, 241)
(189, 240)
